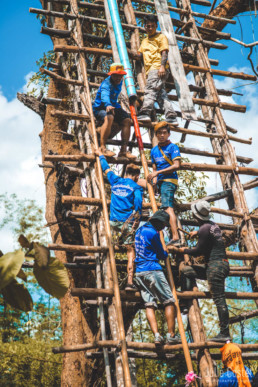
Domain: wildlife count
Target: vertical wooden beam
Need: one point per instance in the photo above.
(175, 61)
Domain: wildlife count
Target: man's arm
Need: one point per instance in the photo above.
(164, 59)
(112, 177)
(156, 243)
(201, 245)
(105, 98)
(165, 171)
(138, 200)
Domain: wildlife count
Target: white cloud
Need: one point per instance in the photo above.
(20, 153)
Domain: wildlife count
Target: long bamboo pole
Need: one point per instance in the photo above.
(120, 322)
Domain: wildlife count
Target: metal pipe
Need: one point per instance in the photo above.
(122, 49)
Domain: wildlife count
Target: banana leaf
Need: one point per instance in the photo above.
(16, 295)
(10, 266)
(53, 279)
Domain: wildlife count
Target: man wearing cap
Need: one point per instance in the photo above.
(154, 52)
(125, 208)
(150, 277)
(165, 159)
(108, 111)
(211, 246)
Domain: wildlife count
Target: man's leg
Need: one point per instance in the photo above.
(167, 191)
(150, 313)
(170, 313)
(165, 103)
(172, 222)
(130, 264)
(151, 90)
(216, 274)
(105, 131)
(125, 137)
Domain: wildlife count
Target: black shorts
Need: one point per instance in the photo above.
(120, 115)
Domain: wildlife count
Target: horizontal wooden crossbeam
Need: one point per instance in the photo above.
(91, 293)
(184, 166)
(68, 199)
(187, 67)
(166, 356)
(91, 19)
(242, 256)
(83, 4)
(167, 348)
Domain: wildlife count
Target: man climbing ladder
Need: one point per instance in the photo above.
(125, 208)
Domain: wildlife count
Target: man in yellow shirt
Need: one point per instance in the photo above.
(154, 52)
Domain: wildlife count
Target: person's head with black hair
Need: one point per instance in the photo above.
(150, 24)
(133, 172)
(160, 220)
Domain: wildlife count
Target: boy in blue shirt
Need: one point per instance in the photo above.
(125, 208)
(108, 111)
(150, 277)
(165, 159)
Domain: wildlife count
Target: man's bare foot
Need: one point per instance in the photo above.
(107, 152)
(127, 154)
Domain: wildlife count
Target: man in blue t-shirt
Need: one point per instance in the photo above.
(109, 113)
(125, 208)
(165, 159)
(150, 277)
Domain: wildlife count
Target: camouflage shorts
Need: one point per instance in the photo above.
(119, 236)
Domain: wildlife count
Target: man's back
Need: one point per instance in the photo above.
(148, 249)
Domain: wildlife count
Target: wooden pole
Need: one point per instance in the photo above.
(147, 346)
(92, 293)
(120, 322)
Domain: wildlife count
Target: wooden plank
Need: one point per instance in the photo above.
(175, 61)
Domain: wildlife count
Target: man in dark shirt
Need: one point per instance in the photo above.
(150, 277)
(216, 269)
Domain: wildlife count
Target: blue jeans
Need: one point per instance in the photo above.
(167, 192)
(154, 287)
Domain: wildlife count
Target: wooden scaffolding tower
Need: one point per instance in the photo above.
(83, 37)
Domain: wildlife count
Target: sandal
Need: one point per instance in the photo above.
(127, 154)
(108, 153)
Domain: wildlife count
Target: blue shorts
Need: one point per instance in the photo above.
(167, 192)
(154, 287)
(120, 115)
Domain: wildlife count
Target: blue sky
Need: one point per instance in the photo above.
(21, 44)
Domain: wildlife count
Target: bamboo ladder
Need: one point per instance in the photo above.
(83, 113)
